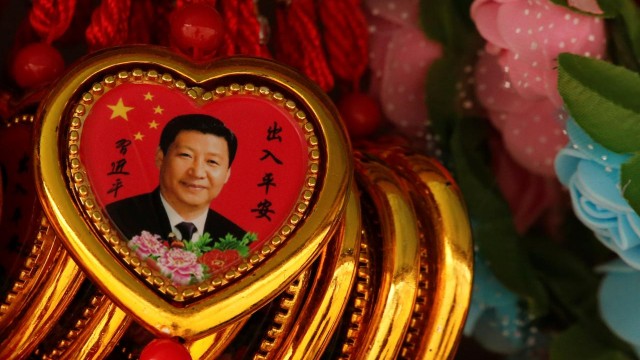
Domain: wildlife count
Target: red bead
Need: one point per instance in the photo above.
(36, 64)
(196, 30)
(165, 349)
(361, 113)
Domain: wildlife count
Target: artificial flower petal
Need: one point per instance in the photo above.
(535, 136)
(619, 296)
(494, 90)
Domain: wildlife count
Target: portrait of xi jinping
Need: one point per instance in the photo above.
(194, 158)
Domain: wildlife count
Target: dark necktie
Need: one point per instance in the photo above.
(186, 229)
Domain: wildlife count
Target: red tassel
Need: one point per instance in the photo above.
(299, 44)
(109, 24)
(345, 38)
(140, 22)
(51, 18)
(229, 11)
(248, 33)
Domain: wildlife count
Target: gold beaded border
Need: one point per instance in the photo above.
(88, 313)
(417, 324)
(360, 300)
(82, 189)
(288, 305)
(33, 264)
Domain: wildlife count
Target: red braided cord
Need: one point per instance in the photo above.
(282, 42)
(299, 43)
(109, 24)
(140, 22)
(248, 33)
(345, 38)
(162, 10)
(51, 18)
(181, 3)
(229, 10)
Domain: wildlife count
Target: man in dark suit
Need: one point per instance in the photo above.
(194, 157)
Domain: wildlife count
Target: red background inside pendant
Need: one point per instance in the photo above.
(137, 113)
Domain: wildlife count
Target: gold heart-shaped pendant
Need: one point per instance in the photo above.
(191, 194)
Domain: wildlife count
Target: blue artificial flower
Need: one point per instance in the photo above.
(619, 297)
(495, 317)
(592, 174)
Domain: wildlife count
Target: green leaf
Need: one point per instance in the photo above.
(441, 99)
(493, 228)
(603, 99)
(587, 341)
(630, 182)
(624, 32)
(199, 246)
(449, 23)
(230, 242)
(570, 280)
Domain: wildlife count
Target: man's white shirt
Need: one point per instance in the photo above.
(175, 219)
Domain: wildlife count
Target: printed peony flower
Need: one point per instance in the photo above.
(516, 78)
(147, 244)
(400, 57)
(218, 259)
(495, 318)
(592, 174)
(180, 265)
(618, 299)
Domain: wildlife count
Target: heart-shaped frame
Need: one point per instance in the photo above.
(71, 143)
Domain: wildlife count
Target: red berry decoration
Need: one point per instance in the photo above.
(165, 349)
(361, 113)
(197, 30)
(36, 64)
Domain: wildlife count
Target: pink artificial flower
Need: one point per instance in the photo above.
(528, 35)
(180, 265)
(516, 76)
(532, 129)
(529, 196)
(400, 57)
(147, 244)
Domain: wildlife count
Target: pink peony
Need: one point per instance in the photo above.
(147, 244)
(180, 265)
(516, 76)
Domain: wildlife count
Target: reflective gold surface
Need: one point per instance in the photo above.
(98, 335)
(212, 345)
(50, 298)
(450, 254)
(397, 288)
(329, 295)
(42, 257)
(248, 293)
(286, 313)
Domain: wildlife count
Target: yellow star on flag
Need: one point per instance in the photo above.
(119, 109)
(153, 124)
(138, 136)
(148, 96)
(158, 110)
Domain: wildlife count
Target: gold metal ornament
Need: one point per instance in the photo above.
(369, 255)
(102, 252)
